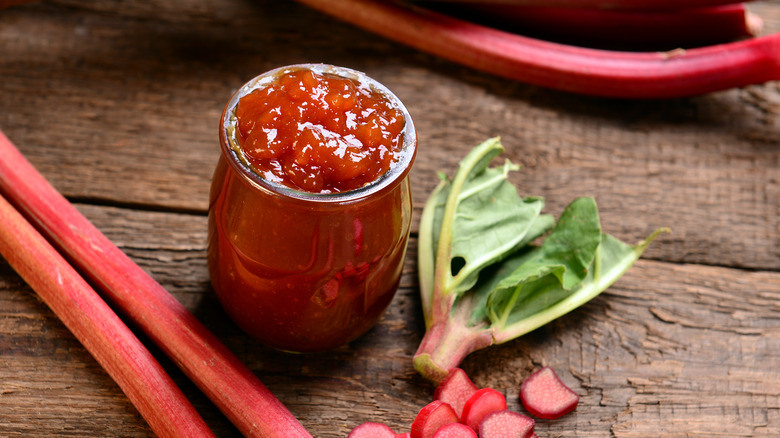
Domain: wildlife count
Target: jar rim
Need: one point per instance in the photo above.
(397, 171)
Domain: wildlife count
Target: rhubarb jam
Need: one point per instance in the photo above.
(318, 133)
(310, 206)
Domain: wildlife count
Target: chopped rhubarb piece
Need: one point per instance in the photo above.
(455, 430)
(506, 424)
(455, 389)
(483, 403)
(544, 395)
(372, 430)
(431, 417)
(403, 435)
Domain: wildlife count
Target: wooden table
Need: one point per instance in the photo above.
(117, 104)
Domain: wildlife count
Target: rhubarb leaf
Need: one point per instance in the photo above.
(483, 216)
(543, 300)
(560, 264)
(487, 220)
(472, 221)
(483, 280)
(568, 251)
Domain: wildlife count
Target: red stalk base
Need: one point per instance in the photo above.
(444, 347)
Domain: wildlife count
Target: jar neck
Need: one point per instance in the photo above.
(386, 182)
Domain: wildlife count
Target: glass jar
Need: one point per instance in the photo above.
(306, 271)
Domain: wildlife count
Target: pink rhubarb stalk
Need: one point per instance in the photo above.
(632, 5)
(675, 28)
(677, 73)
(232, 387)
(98, 328)
(9, 3)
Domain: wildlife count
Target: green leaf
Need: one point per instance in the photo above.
(477, 297)
(481, 218)
(568, 251)
(490, 228)
(561, 262)
(544, 299)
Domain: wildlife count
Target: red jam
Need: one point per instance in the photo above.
(312, 268)
(318, 133)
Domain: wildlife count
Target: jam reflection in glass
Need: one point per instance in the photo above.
(310, 205)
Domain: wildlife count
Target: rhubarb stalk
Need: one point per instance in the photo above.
(232, 387)
(98, 328)
(9, 3)
(629, 5)
(679, 27)
(677, 73)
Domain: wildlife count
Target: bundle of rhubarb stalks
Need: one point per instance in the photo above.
(83, 277)
(710, 45)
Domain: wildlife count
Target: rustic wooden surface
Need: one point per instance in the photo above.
(117, 103)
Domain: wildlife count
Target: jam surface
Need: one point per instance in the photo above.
(318, 133)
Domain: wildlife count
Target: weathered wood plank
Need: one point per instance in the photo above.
(670, 350)
(119, 109)
(117, 103)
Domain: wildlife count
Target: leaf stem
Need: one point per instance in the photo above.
(426, 255)
(446, 344)
(443, 296)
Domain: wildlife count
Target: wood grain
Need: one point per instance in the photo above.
(117, 103)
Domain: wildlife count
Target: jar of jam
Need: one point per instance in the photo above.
(310, 206)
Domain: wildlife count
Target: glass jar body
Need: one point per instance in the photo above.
(304, 277)
(300, 272)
